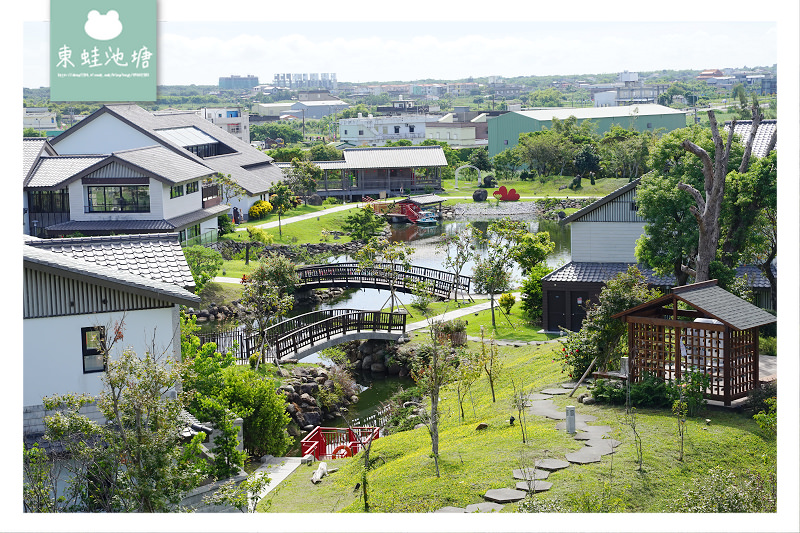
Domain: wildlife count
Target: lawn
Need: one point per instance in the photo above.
(511, 327)
(305, 231)
(602, 187)
(219, 293)
(402, 478)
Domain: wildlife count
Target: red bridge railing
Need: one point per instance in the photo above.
(327, 443)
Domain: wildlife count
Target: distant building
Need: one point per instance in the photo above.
(238, 82)
(39, 118)
(505, 129)
(234, 120)
(375, 131)
(628, 91)
(322, 80)
(317, 108)
(710, 73)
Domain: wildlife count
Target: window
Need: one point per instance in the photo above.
(48, 201)
(411, 128)
(175, 191)
(92, 345)
(361, 132)
(345, 132)
(115, 198)
(192, 187)
(233, 128)
(505, 141)
(397, 129)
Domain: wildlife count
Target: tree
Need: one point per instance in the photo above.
(31, 132)
(598, 339)
(229, 188)
(302, 177)
(458, 250)
(492, 273)
(468, 370)
(279, 271)
(275, 130)
(387, 260)
(204, 264)
(282, 200)
(134, 462)
(286, 154)
(479, 158)
(324, 152)
(508, 162)
(362, 223)
(532, 293)
(432, 369)
(532, 249)
(492, 364)
(708, 209)
(265, 304)
(586, 160)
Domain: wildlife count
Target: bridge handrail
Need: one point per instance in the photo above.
(444, 282)
(310, 334)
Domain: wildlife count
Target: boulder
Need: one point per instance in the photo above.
(309, 388)
(311, 419)
(366, 362)
(314, 199)
(482, 425)
(307, 398)
(377, 368)
(480, 195)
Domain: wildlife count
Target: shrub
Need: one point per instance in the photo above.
(204, 263)
(756, 398)
(506, 302)
(768, 421)
(531, 291)
(259, 210)
(722, 491)
(331, 200)
(225, 225)
(768, 345)
(259, 235)
(423, 296)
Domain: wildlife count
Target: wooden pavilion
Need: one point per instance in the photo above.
(718, 336)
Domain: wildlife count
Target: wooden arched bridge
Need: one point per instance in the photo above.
(311, 332)
(441, 283)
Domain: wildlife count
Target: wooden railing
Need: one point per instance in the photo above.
(442, 283)
(325, 442)
(291, 336)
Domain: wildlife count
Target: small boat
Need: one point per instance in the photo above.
(427, 219)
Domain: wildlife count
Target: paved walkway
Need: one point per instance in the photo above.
(298, 218)
(278, 469)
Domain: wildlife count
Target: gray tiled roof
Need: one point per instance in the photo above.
(724, 306)
(53, 171)
(127, 226)
(155, 256)
(763, 134)
(197, 216)
(33, 256)
(255, 179)
(31, 148)
(602, 201)
(164, 163)
(755, 278)
(395, 157)
(602, 272)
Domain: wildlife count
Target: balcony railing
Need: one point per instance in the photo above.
(211, 196)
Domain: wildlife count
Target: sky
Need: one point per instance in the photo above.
(201, 52)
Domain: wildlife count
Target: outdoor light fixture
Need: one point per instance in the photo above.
(511, 420)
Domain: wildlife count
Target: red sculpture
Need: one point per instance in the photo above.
(506, 196)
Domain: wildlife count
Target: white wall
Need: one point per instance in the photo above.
(181, 205)
(103, 135)
(53, 353)
(612, 242)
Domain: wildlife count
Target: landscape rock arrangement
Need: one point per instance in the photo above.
(300, 390)
(230, 248)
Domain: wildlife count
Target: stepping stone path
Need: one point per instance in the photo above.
(505, 495)
(596, 445)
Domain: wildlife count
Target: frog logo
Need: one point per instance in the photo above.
(103, 27)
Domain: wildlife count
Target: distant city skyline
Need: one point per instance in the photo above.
(200, 53)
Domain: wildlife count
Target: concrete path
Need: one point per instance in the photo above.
(278, 469)
(298, 218)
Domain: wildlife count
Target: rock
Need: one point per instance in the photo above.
(406, 405)
(377, 368)
(482, 425)
(504, 495)
(367, 361)
(309, 388)
(307, 459)
(266, 458)
(480, 195)
(307, 398)
(589, 401)
(419, 426)
(708, 421)
(329, 385)
(287, 388)
(394, 369)
(354, 399)
(314, 199)
(319, 473)
(582, 397)
(291, 408)
(311, 419)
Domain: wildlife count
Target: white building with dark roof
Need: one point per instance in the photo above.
(127, 170)
(78, 292)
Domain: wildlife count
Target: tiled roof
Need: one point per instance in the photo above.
(125, 226)
(197, 216)
(33, 256)
(164, 163)
(763, 134)
(756, 278)
(155, 256)
(52, 171)
(602, 272)
(31, 148)
(395, 157)
(724, 306)
(255, 179)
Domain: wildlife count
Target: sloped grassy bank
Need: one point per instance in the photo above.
(402, 477)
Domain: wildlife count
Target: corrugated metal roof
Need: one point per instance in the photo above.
(763, 135)
(33, 256)
(128, 226)
(724, 306)
(54, 171)
(324, 165)
(155, 256)
(563, 113)
(395, 157)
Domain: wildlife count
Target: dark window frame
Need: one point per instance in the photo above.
(91, 351)
(192, 187)
(176, 191)
(138, 199)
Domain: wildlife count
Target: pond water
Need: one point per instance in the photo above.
(379, 388)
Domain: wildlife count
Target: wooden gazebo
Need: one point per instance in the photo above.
(718, 336)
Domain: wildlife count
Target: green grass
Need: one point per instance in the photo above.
(219, 293)
(273, 217)
(403, 479)
(602, 187)
(513, 327)
(304, 231)
(434, 308)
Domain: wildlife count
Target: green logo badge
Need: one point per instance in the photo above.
(103, 50)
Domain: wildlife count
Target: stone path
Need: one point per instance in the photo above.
(594, 438)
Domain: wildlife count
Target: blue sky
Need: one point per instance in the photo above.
(200, 52)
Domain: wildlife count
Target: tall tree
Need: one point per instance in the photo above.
(281, 199)
(266, 305)
(457, 249)
(708, 208)
(302, 178)
(387, 259)
(479, 158)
